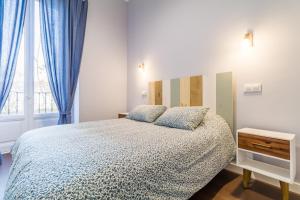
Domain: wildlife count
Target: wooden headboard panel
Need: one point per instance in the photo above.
(188, 91)
(155, 93)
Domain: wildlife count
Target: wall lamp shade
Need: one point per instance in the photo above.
(248, 39)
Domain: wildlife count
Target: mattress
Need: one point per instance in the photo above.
(118, 159)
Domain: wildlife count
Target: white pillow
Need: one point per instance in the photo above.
(187, 118)
(146, 113)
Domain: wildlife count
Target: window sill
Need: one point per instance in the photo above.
(10, 118)
(45, 115)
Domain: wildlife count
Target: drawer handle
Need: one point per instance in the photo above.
(262, 145)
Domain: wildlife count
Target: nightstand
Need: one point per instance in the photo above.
(254, 145)
(122, 115)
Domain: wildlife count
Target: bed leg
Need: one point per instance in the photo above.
(246, 178)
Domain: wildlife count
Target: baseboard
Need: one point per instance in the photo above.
(5, 147)
(293, 187)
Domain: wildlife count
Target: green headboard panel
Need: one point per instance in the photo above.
(225, 97)
(175, 92)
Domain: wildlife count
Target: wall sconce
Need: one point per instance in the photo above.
(248, 39)
(142, 66)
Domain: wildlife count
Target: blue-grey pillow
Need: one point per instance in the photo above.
(187, 118)
(146, 113)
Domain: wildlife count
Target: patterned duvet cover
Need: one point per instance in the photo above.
(118, 159)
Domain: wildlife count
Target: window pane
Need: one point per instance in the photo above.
(15, 101)
(43, 100)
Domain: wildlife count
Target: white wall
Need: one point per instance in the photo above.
(103, 75)
(186, 37)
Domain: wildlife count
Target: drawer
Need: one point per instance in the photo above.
(266, 145)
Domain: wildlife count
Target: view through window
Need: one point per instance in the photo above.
(43, 100)
(15, 101)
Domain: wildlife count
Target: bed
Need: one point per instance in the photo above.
(118, 159)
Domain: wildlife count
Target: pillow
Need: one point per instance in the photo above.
(146, 113)
(187, 118)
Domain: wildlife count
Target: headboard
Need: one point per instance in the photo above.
(188, 91)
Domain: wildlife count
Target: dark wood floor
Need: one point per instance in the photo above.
(228, 186)
(225, 186)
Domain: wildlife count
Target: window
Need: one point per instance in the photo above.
(15, 101)
(43, 100)
(30, 89)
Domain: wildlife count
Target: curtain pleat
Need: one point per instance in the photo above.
(63, 26)
(12, 16)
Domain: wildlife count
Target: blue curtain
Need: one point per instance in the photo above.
(12, 16)
(63, 27)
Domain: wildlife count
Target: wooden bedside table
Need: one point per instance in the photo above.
(122, 115)
(277, 146)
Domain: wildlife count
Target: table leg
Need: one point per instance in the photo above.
(246, 178)
(284, 190)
